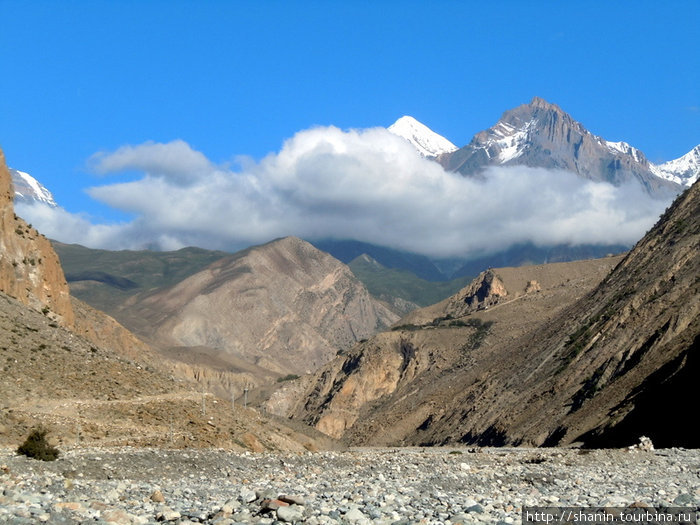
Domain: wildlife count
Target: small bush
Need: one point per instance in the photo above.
(37, 447)
(288, 377)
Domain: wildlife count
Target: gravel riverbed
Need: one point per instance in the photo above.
(390, 486)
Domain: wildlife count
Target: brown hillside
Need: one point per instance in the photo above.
(86, 394)
(381, 391)
(550, 369)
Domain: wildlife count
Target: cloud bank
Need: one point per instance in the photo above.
(368, 185)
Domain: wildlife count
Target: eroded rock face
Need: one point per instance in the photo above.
(29, 268)
(358, 379)
(484, 291)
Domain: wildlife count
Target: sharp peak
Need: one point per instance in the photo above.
(540, 103)
(288, 240)
(407, 119)
(536, 105)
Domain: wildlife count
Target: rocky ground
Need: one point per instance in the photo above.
(416, 485)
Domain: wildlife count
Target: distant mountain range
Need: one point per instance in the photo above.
(539, 135)
(261, 313)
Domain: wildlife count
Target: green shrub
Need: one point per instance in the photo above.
(288, 377)
(37, 447)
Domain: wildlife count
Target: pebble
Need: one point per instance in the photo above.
(358, 486)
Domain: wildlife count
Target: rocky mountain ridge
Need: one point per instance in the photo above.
(540, 134)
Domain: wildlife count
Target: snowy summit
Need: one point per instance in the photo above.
(28, 190)
(425, 140)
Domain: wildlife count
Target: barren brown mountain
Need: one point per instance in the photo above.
(545, 355)
(284, 307)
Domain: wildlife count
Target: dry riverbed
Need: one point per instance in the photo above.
(416, 485)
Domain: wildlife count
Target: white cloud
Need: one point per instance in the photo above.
(368, 185)
(175, 160)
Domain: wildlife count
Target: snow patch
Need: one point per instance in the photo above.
(626, 149)
(510, 141)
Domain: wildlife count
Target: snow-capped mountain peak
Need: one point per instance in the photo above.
(684, 170)
(426, 141)
(542, 135)
(28, 190)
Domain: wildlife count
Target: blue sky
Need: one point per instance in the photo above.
(240, 78)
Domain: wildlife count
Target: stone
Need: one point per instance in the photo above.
(292, 499)
(168, 515)
(117, 516)
(684, 499)
(67, 505)
(268, 505)
(354, 515)
(266, 494)
(290, 514)
(645, 444)
(157, 497)
(247, 496)
(231, 506)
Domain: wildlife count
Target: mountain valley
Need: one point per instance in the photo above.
(365, 344)
(548, 355)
